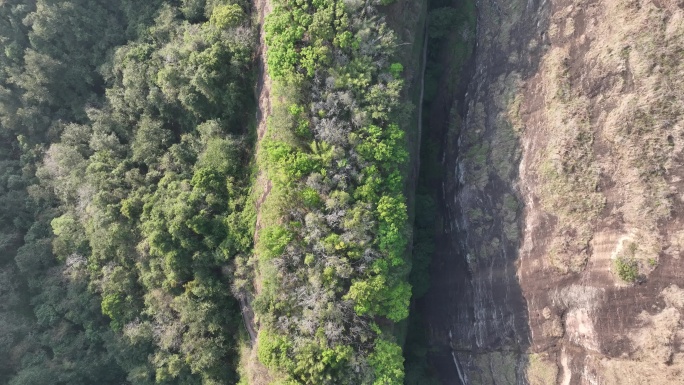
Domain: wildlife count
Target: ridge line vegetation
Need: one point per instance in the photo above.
(332, 252)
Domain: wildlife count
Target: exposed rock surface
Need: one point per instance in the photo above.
(561, 259)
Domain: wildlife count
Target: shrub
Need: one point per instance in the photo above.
(226, 16)
(274, 240)
(396, 69)
(627, 269)
(388, 363)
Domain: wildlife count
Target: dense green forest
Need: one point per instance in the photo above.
(129, 190)
(125, 174)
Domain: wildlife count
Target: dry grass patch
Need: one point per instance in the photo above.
(613, 126)
(657, 338)
(541, 370)
(567, 169)
(252, 372)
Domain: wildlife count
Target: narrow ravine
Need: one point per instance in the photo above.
(447, 57)
(475, 308)
(422, 89)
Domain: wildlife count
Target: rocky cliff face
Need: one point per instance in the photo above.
(560, 260)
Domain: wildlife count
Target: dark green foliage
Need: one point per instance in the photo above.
(423, 243)
(443, 20)
(124, 180)
(418, 366)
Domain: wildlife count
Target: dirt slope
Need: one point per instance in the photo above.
(263, 92)
(255, 372)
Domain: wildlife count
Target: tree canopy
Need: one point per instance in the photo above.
(124, 180)
(128, 193)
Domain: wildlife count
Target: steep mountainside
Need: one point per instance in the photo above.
(342, 192)
(562, 262)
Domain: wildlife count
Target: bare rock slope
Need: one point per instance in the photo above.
(561, 263)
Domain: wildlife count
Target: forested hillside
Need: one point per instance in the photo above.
(125, 170)
(131, 185)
